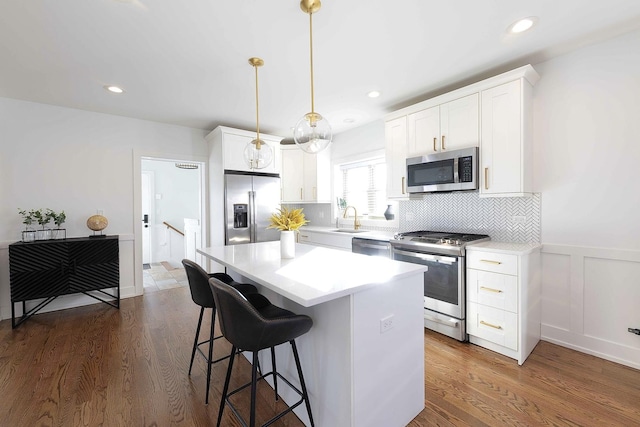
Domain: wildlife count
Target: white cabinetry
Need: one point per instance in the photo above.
(334, 240)
(447, 126)
(503, 298)
(506, 148)
(227, 149)
(395, 132)
(305, 177)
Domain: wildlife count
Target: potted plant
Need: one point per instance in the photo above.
(58, 220)
(43, 216)
(288, 221)
(28, 235)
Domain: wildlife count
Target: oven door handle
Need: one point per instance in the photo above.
(426, 257)
(371, 246)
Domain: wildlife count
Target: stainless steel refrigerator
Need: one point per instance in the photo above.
(250, 199)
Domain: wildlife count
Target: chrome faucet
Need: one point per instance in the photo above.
(356, 223)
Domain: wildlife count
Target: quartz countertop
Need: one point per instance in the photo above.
(505, 247)
(315, 275)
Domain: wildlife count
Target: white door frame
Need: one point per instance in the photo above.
(147, 235)
(138, 155)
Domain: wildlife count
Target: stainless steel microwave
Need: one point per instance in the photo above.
(453, 170)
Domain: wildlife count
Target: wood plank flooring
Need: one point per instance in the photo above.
(98, 366)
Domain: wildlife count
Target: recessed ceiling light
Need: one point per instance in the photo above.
(373, 94)
(522, 25)
(113, 89)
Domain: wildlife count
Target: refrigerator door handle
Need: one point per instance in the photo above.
(252, 216)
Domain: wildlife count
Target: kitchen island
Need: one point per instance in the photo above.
(363, 359)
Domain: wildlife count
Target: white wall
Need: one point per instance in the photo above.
(369, 137)
(77, 161)
(587, 156)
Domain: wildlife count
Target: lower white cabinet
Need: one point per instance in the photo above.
(328, 240)
(503, 297)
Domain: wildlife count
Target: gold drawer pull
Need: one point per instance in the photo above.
(497, 291)
(482, 322)
(488, 261)
(434, 144)
(486, 178)
(301, 194)
(303, 235)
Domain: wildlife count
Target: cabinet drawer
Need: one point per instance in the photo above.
(491, 261)
(493, 289)
(491, 324)
(323, 239)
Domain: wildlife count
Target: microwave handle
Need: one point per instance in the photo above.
(456, 175)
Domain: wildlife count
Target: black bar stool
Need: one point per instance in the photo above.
(202, 296)
(254, 327)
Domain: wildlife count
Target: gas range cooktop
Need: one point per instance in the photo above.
(437, 241)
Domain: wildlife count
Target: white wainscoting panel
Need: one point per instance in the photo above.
(590, 296)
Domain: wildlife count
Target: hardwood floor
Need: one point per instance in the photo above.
(96, 365)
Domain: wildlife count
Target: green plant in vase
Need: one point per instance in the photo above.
(28, 216)
(58, 220)
(44, 217)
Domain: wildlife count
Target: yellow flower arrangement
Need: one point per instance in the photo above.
(287, 219)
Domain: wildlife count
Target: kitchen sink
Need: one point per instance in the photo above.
(347, 230)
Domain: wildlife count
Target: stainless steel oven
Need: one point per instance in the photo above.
(445, 281)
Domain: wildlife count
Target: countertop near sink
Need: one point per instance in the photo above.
(362, 234)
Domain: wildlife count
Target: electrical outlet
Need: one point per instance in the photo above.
(386, 323)
(519, 219)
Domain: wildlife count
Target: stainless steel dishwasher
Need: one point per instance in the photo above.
(371, 247)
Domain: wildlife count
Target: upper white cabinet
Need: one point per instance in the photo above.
(396, 156)
(306, 178)
(494, 114)
(447, 126)
(228, 144)
(506, 148)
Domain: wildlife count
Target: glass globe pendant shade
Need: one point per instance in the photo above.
(257, 154)
(312, 133)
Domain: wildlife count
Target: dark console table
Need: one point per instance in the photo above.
(50, 268)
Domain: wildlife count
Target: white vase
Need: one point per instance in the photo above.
(287, 244)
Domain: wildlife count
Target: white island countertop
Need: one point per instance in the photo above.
(316, 275)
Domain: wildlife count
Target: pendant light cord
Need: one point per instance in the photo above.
(311, 56)
(257, 109)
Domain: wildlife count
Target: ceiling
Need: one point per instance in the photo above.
(186, 62)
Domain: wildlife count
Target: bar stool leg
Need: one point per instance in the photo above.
(254, 386)
(226, 385)
(275, 376)
(210, 359)
(305, 395)
(195, 341)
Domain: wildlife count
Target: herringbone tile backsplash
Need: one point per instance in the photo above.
(466, 212)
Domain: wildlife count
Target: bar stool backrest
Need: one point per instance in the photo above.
(198, 284)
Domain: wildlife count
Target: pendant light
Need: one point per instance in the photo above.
(312, 132)
(257, 153)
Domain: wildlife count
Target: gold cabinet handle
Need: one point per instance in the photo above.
(488, 261)
(442, 143)
(435, 140)
(403, 185)
(486, 178)
(482, 322)
(301, 194)
(315, 192)
(497, 291)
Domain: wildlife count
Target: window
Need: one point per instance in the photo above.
(363, 185)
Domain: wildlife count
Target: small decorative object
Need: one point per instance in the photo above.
(288, 221)
(43, 216)
(28, 235)
(388, 214)
(97, 223)
(58, 220)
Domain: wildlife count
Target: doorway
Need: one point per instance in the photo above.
(171, 220)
